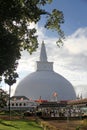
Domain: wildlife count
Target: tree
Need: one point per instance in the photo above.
(10, 79)
(15, 35)
(3, 98)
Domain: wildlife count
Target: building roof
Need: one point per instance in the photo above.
(19, 98)
(52, 104)
(77, 101)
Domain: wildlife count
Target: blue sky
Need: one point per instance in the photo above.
(75, 13)
(71, 60)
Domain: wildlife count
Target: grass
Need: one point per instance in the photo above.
(19, 125)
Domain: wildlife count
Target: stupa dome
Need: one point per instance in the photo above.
(45, 83)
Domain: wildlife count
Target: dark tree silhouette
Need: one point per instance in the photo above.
(15, 35)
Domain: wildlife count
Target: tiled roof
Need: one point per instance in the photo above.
(78, 101)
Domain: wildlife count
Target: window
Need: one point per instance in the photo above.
(12, 104)
(20, 104)
(24, 104)
(16, 104)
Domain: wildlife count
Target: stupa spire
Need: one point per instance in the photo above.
(43, 64)
(43, 55)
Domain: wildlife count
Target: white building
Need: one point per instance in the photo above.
(44, 82)
(21, 103)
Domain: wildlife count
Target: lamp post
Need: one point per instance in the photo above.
(9, 102)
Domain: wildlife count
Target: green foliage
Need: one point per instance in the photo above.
(3, 98)
(15, 34)
(10, 78)
(54, 21)
(78, 128)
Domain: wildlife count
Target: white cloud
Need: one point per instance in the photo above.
(77, 42)
(69, 60)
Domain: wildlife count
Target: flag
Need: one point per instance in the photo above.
(55, 94)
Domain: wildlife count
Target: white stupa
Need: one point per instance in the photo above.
(45, 83)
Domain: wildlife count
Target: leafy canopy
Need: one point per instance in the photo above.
(3, 98)
(15, 36)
